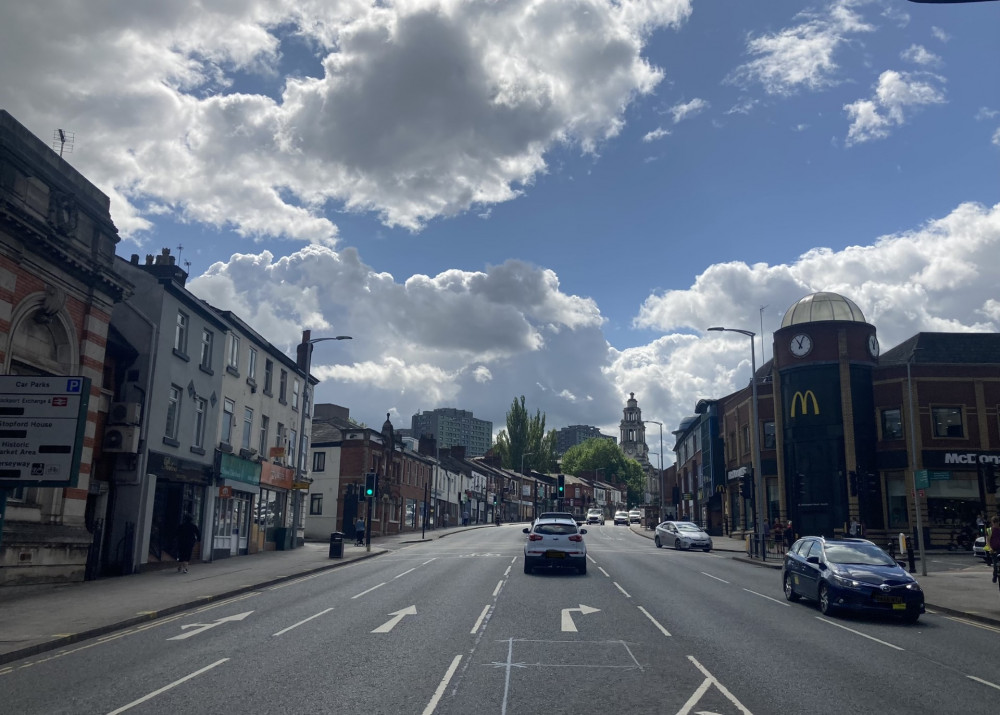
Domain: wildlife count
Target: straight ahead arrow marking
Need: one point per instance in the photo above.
(397, 616)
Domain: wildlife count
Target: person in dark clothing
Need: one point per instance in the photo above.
(359, 532)
(187, 536)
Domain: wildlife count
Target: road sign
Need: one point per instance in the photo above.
(42, 425)
(921, 480)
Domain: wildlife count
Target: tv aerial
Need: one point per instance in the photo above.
(62, 141)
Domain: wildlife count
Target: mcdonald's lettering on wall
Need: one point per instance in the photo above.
(802, 401)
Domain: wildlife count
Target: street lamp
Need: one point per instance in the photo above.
(755, 435)
(913, 468)
(305, 362)
(659, 479)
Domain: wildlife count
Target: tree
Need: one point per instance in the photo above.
(526, 437)
(615, 467)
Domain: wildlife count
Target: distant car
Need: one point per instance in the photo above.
(850, 575)
(621, 517)
(555, 544)
(979, 548)
(595, 516)
(682, 535)
(635, 516)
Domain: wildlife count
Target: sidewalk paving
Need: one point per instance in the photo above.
(54, 617)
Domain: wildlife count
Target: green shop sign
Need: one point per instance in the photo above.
(239, 470)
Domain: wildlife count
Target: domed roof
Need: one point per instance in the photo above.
(818, 307)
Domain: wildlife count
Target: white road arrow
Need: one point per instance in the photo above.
(397, 616)
(567, 620)
(202, 627)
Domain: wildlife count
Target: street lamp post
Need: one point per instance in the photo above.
(305, 362)
(659, 479)
(759, 491)
(534, 488)
(913, 470)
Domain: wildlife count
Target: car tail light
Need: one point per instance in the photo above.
(534, 537)
(576, 537)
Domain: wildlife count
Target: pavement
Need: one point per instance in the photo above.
(53, 617)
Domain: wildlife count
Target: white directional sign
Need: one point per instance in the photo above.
(196, 628)
(567, 620)
(397, 616)
(42, 424)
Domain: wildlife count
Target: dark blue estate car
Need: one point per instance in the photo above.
(850, 575)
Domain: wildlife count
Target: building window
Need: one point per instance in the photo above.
(745, 439)
(283, 387)
(205, 359)
(173, 412)
(319, 461)
(234, 353)
(295, 394)
(200, 409)
(892, 424)
(252, 364)
(228, 410)
(947, 422)
(181, 333)
(262, 442)
(315, 505)
(292, 444)
(769, 441)
(247, 427)
(268, 376)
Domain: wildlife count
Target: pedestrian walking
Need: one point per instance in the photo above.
(187, 536)
(789, 534)
(444, 520)
(359, 532)
(465, 518)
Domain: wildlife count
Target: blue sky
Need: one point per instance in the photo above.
(552, 199)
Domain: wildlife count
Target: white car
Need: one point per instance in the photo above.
(635, 516)
(621, 517)
(682, 535)
(555, 544)
(595, 516)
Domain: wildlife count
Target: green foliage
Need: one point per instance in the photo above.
(526, 437)
(610, 464)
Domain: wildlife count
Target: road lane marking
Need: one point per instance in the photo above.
(604, 572)
(780, 603)
(442, 686)
(197, 628)
(397, 616)
(404, 573)
(165, 688)
(715, 577)
(428, 561)
(368, 591)
(656, 623)
(711, 680)
(984, 682)
(497, 589)
(859, 633)
(479, 621)
(567, 620)
(507, 572)
(972, 623)
(621, 589)
(296, 625)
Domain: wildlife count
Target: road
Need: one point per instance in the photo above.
(455, 627)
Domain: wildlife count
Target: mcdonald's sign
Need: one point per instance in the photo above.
(802, 400)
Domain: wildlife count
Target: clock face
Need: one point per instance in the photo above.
(801, 345)
(873, 345)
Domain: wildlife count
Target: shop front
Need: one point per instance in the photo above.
(272, 516)
(238, 483)
(181, 490)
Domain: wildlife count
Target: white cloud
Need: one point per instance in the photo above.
(657, 133)
(895, 94)
(940, 34)
(684, 110)
(918, 54)
(801, 56)
(996, 137)
(413, 110)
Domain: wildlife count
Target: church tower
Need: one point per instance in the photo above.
(633, 433)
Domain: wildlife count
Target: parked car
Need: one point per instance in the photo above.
(595, 516)
(621, 517)
(682, 535)
(555, 544)
(634, 516)
(850, 575)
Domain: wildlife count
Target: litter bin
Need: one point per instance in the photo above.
(336, 545)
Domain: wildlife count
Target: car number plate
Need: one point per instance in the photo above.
(555, 555)
(899, 606)
(894, 600)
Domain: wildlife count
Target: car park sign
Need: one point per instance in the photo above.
(42, 424)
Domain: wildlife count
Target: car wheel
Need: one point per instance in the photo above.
(656, 540)
(528, 568)
(706, 550)
(582, 570)
(911, 616)
(826, 607)
(789, 591)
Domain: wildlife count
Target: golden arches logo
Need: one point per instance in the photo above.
(802, 400)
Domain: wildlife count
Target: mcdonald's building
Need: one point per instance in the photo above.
(849, 432)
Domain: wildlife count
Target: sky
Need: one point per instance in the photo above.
(552, 199)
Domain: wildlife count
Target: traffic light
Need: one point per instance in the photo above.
(990, 475)
(871, 483)
(371, 485)
(746, 486)
(561, 484)
(854, 483)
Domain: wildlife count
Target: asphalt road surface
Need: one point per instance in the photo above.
(455, 627)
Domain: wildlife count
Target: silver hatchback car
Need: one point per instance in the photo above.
(682, 535)
(555, 544)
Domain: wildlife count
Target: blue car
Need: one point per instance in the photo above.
(850, 575)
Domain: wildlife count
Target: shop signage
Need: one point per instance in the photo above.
(238, 469)
(275, 476)
(179, 470)
(941, 459)
(688, 496)
(225, 492)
